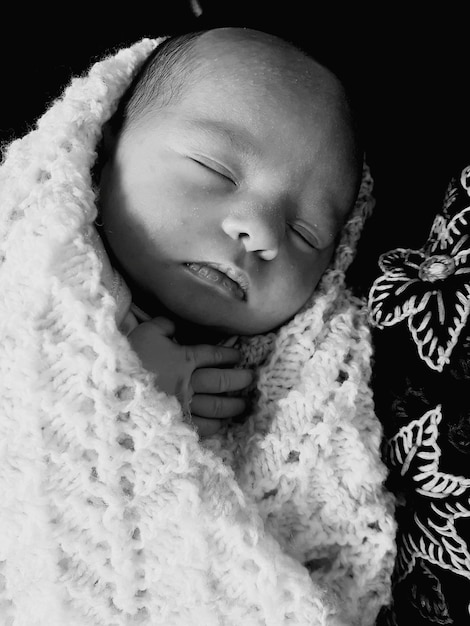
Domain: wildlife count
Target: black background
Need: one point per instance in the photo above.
(408, 70)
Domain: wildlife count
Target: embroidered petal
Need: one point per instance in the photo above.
(394, 297)
(420, 434)
(465, 179)
(431, 533)
(415, 452)
(445, 234)
(442, 545)
(402, 261)
(461, 252)
(436, 326)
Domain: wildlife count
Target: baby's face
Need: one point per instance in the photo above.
(225, 207)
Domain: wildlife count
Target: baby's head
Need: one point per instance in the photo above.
(232, 165)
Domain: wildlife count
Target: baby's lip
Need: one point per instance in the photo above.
(233, 273)
(236, 274)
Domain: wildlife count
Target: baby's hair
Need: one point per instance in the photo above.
(159, 81)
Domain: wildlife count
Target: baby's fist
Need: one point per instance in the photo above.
(197, 375)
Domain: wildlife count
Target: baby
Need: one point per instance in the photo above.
(231, 192)
(228, 172)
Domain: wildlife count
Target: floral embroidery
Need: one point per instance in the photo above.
(429, 287)
(465, 179)
(431, 534)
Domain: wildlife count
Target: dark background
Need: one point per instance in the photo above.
(408, 71)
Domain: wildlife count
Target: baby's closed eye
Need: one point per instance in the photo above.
(217, 169)
(304, 234)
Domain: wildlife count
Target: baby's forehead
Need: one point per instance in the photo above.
(244, 54)
(238, 77)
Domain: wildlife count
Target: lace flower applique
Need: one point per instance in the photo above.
(429, 287)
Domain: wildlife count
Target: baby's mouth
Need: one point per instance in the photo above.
(235, 285)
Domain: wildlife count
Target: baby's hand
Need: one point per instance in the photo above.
(196, 375)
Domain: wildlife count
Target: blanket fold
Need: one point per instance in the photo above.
(113, 511)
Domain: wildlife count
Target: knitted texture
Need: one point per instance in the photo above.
(113, 511)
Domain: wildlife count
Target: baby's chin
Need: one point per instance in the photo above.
(198, 329)
(208, 319)
(202, 326)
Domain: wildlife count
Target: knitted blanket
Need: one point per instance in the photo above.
(114, 512)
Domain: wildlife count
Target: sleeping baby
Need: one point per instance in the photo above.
(196, 258)
(225, 178)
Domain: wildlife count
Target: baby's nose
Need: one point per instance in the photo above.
(259, 230)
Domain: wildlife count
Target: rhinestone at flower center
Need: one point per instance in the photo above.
(437, 267)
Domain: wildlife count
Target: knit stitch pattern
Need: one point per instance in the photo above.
(114, 512)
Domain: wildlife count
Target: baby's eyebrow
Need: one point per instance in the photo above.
(239, 139)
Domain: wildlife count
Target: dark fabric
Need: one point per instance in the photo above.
(421, 308)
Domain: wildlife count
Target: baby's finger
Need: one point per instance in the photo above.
(212, 380)
(206, 427)
(164, 325)
(206, 355)
(217, 406)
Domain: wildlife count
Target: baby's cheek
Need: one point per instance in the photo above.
(291, 292)
(303, 278)
(305, 284)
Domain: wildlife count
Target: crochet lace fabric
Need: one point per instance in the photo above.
(113, 511)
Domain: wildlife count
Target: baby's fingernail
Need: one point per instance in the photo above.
(230, 342)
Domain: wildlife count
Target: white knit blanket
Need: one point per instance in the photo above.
(113, 511)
